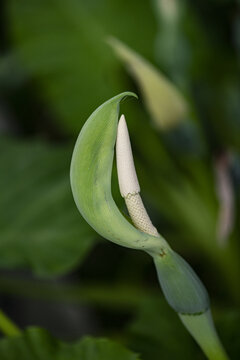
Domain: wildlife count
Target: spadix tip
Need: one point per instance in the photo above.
(127, 177)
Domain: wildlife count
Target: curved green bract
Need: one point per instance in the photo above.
(181, 286)
(90, 175)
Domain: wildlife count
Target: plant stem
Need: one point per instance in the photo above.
(7, 327)
(202, 329)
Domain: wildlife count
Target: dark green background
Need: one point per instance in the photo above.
(56, 273)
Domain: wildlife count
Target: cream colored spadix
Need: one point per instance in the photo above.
(127, 177)
(128, 181)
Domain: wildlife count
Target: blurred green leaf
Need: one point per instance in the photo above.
(61, 44)
(11, 73)
(40, 227)
(116, 17)
(171, 46)
(37, 344)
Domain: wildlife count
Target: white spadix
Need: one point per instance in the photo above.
(127, 177)
(128, 181)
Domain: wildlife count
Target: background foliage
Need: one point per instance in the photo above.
(56, 67)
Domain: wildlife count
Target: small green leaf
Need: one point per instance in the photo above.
(39, 226)
(164, 102)
(37, 344)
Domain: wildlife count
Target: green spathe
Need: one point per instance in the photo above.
(91, 171)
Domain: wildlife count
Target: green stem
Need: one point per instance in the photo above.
(203, 331)
(7, 327)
